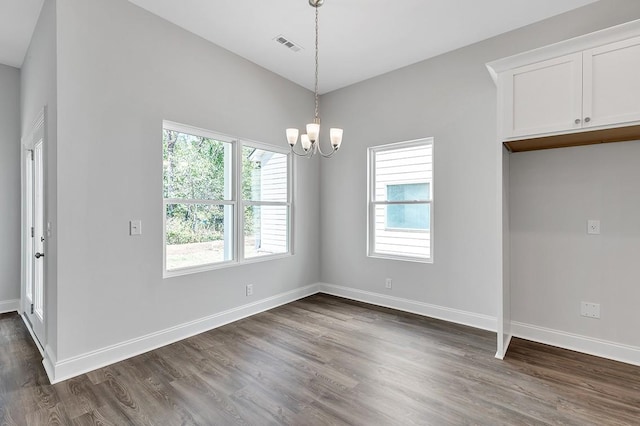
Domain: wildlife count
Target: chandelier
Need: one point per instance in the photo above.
(309, 141)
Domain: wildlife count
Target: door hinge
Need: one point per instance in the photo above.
(32, 309)
(32, 232)
(31, 151)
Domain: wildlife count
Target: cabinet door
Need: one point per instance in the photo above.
(612, 83)
(544, 97)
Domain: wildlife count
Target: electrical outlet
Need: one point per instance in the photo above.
(249, 289)
(590, 310)
(388, 283)
(593, 227)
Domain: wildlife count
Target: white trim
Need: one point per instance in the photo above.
(48, 361)
(59, 370)
(576, 342)
(457, 316)
(33, 336)
(9, 306)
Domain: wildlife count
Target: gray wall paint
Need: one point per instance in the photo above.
(453, 99)
(121, 72)
(556, 265)
(9, 183)
(38, 89)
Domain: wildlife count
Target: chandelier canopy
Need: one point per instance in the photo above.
(309, 141)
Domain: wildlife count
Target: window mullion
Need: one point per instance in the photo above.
(239, 211)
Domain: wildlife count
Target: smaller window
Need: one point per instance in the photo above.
(400, 200)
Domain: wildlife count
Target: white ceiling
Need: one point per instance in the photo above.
(17, 20)
(359, 39)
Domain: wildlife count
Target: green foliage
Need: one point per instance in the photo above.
(194, 169)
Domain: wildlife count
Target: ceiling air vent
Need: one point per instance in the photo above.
(287, 43)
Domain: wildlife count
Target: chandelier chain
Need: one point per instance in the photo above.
(316, 86)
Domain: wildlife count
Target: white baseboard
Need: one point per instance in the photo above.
(484, 322)
(9, 306)
(59, 370)
(576, 342)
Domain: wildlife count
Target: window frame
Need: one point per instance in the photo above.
(235, 200)
(372, 202)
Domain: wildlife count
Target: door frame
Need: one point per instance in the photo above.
(35, 135)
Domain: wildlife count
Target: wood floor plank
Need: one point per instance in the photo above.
(324, 360)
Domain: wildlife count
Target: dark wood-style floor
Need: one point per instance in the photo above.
(324, 360)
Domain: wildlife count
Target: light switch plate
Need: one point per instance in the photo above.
(593, 227)
(135, 227)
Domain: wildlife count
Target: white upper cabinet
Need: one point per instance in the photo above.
(588, 87)
(544, 97)
(612, 84)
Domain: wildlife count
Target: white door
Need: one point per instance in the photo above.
(545, 97)
(611, 83)
(33, 307)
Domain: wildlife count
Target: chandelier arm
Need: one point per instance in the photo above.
(307, 154)
(333, 150)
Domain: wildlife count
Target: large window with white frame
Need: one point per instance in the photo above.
(226, 200)
(400, 199)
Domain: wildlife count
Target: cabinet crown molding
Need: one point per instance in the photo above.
(566, 47)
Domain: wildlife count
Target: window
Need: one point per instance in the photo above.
(401, 200)
(225, 201)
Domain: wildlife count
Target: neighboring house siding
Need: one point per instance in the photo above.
(273, 219)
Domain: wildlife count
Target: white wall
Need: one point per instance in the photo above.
(9, 187)
(121, 71)
(38, 90)
(453, 99)
(556, 265)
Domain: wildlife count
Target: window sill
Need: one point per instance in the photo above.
(221, 265)
(401, 258)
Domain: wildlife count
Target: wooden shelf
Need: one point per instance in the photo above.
(619, 134)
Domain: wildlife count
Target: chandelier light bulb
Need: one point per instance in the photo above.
(306, 143)
(292, 136)
(335, 135)
(313, 130)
